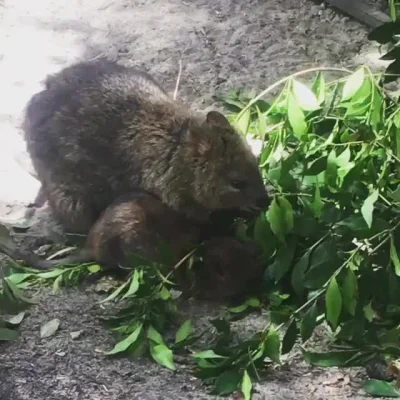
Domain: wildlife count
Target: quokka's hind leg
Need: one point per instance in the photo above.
(75, 213)
(40, 199)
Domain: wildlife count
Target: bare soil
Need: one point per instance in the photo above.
(223, 44)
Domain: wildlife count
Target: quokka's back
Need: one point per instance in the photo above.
(99, 130)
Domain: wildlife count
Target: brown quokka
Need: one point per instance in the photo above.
(137, 224)
(229, 269)
(100, 130)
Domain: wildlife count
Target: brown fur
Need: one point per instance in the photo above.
(230, 269)
(137, 224)
(100, 130)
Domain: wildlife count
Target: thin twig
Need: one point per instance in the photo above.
(283, 80)
(180, 262)
(178, 80)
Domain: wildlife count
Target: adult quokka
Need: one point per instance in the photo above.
(100, 130)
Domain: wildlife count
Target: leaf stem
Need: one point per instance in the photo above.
(283, 80)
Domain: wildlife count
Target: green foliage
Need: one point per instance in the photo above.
(230, 364)
(24, 277)
(148, 313)
(380, 389)
(13, 305)
(332, 154)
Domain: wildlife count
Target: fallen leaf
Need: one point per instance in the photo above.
(49, 328)
(75, 335)
(16, 319)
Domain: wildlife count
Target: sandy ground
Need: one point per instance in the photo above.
(223, 44)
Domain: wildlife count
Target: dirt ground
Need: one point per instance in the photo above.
(223, 44)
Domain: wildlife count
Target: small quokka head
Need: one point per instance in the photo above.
(226, 174)
(230, 269)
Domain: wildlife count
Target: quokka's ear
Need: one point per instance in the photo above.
(199, 141)
(217, 120)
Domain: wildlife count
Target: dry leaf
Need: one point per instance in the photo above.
(49, 328)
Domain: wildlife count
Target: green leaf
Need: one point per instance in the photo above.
(343, 158)
(238, 309)
(316, 166)
(115, 293)
(163, 356)
(262, 123)
(16, 319)
(18, 294)
(242, 124)
(57, 283)
(323, 263)
(319, 87)
(134, 286)
(94, 268)
(353, 84)
(272, 345)
(207, 354)
(283, 261)
(331, 170)
(298, 273)
(263, 235)
(380, 389)
(184, 331)
(164, 294)
(139, 347)
(124, 344)
(396, 118)
(367, 208)
(49, 328)
(253, 302)
(394, 256)
(280, 217)
(317, 204)
(228, 382)
(289, 339)
(360, 103)
(296, 117)
(50, 274)
(246, 386)
(17, 278)
(329, 359)
(309, 322)
(8, 334)
(153, 335)
(304, 96)
(350, 292)
(14, 297)
(376, 109)
(395, 195)
(369, 312)
(333, 302)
